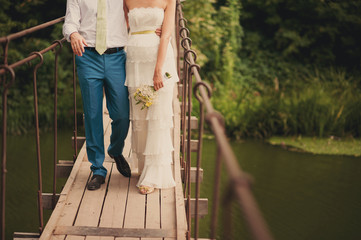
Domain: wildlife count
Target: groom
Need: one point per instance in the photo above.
(97, 31)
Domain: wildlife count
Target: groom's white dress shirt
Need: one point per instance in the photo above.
(81, 16)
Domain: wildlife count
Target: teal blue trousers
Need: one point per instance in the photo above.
(96, 72)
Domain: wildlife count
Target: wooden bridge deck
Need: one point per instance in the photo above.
(117, 210)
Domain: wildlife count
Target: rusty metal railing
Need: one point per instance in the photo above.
(9, 69)
(239, 183)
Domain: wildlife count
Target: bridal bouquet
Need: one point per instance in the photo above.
(146, 95)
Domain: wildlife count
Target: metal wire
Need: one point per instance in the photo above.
(6, 68)
(239, 181)
(239, 188)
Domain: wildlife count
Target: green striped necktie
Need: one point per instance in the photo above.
(101, 34)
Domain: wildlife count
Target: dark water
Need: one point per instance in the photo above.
(22, 181)
(302, 196)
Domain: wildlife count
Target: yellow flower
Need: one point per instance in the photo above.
(145, 96)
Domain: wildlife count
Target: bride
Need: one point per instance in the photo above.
(150, 62)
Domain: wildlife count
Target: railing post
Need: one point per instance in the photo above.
(10, 68)
(199, 149)
(183, 120)
(189, 157)
(6, 49)
(75, 132)
(36, 112)
(215, 120)
(55, 119)
(4, 139)
(227, 210)
(215, 207)
(177, 37)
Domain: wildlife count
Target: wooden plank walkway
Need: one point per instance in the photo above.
(117, 210)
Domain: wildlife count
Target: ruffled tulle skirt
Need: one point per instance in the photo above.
(151, 139)
(151, 127)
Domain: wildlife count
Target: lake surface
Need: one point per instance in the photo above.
(302, 196)
(22, 178)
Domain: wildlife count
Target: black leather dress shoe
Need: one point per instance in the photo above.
(96, 182)
(122, 166)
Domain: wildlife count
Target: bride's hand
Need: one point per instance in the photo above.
(157, 80)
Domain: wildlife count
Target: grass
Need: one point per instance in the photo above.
(313, 102)
(331, 145)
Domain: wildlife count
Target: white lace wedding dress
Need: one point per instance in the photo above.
(151, 128)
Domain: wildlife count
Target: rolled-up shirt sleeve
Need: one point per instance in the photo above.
(72, 18)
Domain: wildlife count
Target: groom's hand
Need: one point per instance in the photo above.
(158, 31)
(77, 43)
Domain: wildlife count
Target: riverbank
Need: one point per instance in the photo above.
(331, 145)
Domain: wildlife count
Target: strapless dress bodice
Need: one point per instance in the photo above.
(141, 19)
(142, 49)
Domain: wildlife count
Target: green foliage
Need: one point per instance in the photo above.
(20, 97)
(16, 16)
(204, 29)
(231, 39)
(323, 103)
(322, 32)
(276, 66)
(284, 67)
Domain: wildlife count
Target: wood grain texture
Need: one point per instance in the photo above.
(135, 212)
(180, 217)
(73, 199)
(63, 168)
(152, 220)
(75, 184)
(168, 211)
(194, 174)
(181, 222)
(118, 210)
(90, 207)
(115, 202)
(202, 206)
(118, 232)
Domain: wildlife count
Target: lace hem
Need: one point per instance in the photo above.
(157, 177)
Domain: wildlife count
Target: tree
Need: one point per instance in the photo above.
(311, 31)
(16, 16)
